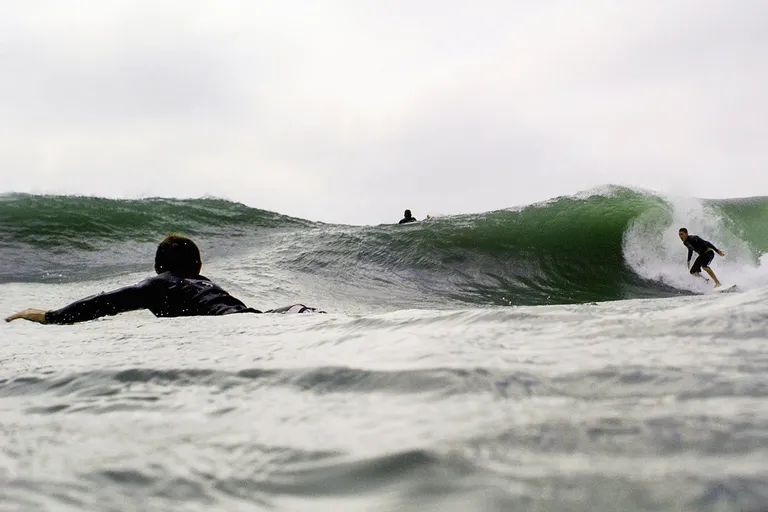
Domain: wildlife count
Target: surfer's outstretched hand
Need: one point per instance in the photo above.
(721, 253)
(31, 314)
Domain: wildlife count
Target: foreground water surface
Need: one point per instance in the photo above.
(646, 404)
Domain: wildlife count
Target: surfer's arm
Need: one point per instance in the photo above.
(690, 254)
(718, 251)
(129, 298)
(31, 314)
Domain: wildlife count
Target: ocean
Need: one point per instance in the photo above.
(551, 357)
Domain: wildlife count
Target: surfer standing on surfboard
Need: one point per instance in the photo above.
(706, 251)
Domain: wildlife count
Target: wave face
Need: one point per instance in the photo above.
(64, 238)
(609, 244)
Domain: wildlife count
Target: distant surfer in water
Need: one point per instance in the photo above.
(706, 251)
(407, 217)
(178, 289)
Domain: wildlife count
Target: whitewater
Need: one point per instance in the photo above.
(556, 356)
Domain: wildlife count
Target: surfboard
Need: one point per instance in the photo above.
(725, 289)
(294, 308)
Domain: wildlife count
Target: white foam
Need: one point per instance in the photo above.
(653, 249)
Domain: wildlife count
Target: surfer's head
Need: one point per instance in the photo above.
(683, 234)
(407, 214)
(178, 255)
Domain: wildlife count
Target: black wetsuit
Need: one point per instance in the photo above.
(164, 295)
(406, 220)
(702, 248)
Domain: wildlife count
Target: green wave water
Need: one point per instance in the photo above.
(612, 243)
(88, 222)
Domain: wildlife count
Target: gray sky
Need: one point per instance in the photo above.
(351, 111)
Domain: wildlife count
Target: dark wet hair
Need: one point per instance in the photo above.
(178, 255)
(407, 214)
(683, 230)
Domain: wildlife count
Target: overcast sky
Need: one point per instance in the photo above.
(351, 111)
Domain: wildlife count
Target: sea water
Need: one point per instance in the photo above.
(556, 357)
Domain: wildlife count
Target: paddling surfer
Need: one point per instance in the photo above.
(407, 217)
(178, 289)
